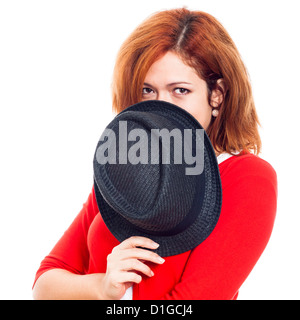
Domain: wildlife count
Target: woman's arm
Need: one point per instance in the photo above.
(218, 267)
(60, 284)
(63, 274)
(123, 264)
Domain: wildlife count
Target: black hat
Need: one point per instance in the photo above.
(141, 190)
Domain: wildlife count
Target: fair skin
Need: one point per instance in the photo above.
(168, 79)
(123, 263)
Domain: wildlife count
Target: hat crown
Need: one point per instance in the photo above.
(174, 203)
(154, 198)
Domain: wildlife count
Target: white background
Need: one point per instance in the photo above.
(56, 63)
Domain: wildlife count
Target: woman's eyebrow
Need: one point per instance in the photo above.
(178, 82)
(147, 84)
(170, 84)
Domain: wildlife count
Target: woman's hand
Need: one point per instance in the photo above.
(125, 262)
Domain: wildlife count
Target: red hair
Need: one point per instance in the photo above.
(203, 43)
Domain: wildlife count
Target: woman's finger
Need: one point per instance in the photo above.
(128, 277)
(141, 254)
(137, 241)
(136, 265)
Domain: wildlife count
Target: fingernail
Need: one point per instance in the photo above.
(152, 273)
(161, 260)
(155, 245)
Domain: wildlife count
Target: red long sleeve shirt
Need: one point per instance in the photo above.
(216, 268)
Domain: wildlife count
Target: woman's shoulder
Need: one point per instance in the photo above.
(246, 165)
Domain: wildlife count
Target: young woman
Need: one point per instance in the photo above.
(186, 58)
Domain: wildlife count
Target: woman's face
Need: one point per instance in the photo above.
(170, 79)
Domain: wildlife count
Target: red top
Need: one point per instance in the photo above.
(216, 268)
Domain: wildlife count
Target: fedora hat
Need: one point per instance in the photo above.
(156, 175)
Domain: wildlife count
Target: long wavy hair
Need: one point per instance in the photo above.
(202, 43)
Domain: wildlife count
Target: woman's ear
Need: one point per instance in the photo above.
(218, 94)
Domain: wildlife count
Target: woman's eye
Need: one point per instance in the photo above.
(147, 90)
(181, 91)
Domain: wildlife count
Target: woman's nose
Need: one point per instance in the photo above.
(164, 96)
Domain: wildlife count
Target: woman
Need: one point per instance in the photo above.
(186, 58)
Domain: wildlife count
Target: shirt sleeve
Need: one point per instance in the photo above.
(71, 251)
(217, 268)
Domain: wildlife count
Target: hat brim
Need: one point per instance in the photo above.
(208, 214)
